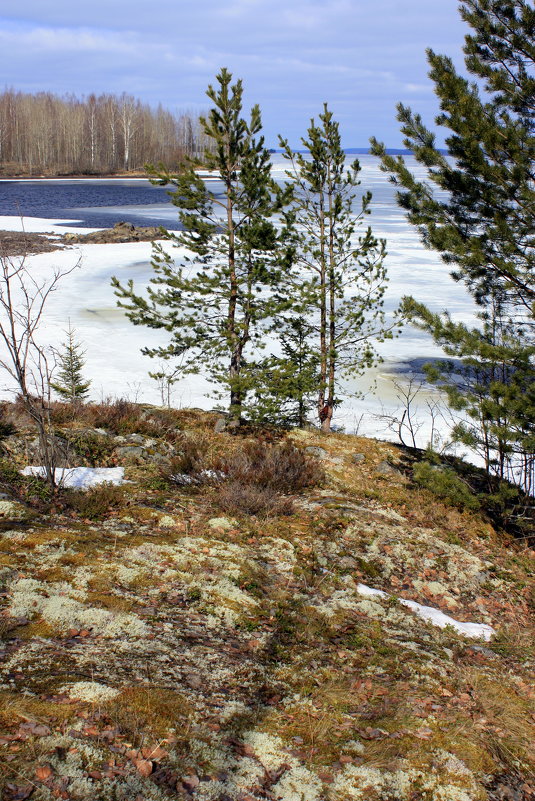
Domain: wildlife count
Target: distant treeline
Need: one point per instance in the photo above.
(46, 134)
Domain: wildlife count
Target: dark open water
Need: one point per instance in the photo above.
(92, 203)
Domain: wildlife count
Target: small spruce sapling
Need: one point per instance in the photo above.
(70, 384)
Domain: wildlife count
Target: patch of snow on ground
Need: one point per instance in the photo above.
(81, 477)
(435, 616)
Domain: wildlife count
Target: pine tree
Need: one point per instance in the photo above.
(286, 386)
(71, 385)
(342, 277)
(482, 224)
(218, 304)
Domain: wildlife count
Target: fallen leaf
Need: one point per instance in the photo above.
(155, 752)
(143, 767)
(43, 772)
(423, 734)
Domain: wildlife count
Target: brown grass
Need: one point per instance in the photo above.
(146, 713)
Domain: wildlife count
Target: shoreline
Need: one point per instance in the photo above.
(77, 177)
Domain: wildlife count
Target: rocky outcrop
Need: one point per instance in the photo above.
(121, 232)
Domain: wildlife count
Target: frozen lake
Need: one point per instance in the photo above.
(114, 363)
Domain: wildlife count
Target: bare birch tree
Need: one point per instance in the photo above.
(23, 299)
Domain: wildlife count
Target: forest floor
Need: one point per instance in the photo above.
(160, 640)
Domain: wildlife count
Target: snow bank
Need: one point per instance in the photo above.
(42, 225)
(435, 616)
(81, 477)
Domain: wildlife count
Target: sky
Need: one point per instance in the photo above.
(360, 56)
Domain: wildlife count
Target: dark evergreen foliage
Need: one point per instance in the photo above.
(218, 302)
(481, 222)
(341, 278)
(70, 384)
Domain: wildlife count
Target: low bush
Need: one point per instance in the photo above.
(6, 426)
(445, 484)
(93, 503)
(192, 463)
(260, 475)
(93, 449)
(281, 467)
(236, 498)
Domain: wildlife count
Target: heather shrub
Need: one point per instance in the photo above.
(6, 426)
(93, 449)
(119, 416)
(281, 467)
(236, 498)
(192, 463)
(95, 502)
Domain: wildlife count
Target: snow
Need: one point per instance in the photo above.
(81, 477)
(435, 616)
(41, 225)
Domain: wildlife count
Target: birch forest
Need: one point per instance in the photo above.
(45, 134)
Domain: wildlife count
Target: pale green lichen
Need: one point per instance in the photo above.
(59, 605)
(166, 521)
(91, 691)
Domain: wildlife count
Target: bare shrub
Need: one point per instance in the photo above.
(95, 502)
(120, 415)
(27, 362)
(237, 498)
(192, 463)
(281, 467)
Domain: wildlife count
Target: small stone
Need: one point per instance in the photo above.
(194, 681)
(357, 457)
(386, 469)
(130, 451)
(220, 425)
(315, 450)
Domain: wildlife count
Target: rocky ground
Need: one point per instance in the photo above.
(16, 243)
(164, 647)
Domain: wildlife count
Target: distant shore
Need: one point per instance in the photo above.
(71, 176)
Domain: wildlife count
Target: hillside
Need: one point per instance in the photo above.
(162, 641)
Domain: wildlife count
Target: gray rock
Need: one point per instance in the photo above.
(130, 451)
(137, 438)
(357, 457)
(220, 425)
(386, 469)
(480, 649)
(315, 450)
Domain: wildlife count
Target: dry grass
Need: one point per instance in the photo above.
(148, 713)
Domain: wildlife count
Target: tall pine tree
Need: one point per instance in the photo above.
(219, 302)
(341, 274)
(482, 225)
